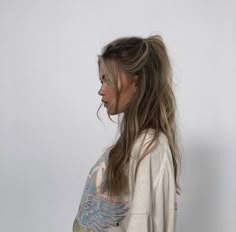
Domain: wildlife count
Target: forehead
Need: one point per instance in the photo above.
(102, 72)
(111, 71)
(101, 68)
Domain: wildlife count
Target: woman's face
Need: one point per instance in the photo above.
(108, 92)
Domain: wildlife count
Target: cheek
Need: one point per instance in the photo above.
(112, 92)
(126, 95)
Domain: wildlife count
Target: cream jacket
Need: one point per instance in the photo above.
(151, 205)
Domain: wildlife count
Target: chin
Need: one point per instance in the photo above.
(113, 112)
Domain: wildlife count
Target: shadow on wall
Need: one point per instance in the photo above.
(200, 206)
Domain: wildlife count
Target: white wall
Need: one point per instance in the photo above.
(50, 135)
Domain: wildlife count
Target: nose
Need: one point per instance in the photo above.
(101, 91)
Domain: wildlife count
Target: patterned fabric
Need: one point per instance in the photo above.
(78, 228)
(151, 199)
(96, 212)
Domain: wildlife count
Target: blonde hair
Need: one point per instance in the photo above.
(152, 107)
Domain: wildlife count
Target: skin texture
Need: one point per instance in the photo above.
(108, 92)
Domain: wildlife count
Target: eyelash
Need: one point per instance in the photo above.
(106, 81)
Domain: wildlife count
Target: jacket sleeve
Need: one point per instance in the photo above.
(163, 211)
(152, 207)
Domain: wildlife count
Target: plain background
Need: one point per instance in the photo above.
(50, 135)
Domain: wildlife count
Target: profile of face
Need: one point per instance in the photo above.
(126, 87)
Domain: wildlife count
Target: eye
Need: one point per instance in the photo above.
(101, 81)
(105, 79)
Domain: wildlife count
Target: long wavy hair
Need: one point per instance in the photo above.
(153, 106)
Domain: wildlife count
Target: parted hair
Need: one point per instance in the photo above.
(153, 106)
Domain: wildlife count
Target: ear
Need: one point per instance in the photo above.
(136, 78)
(135, 83)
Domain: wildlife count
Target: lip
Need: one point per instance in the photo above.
(105, 103)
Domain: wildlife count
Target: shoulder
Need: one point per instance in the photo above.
(154, 166)
(157, 157)
(160, 144)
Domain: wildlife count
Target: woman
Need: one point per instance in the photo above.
(133, 186)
